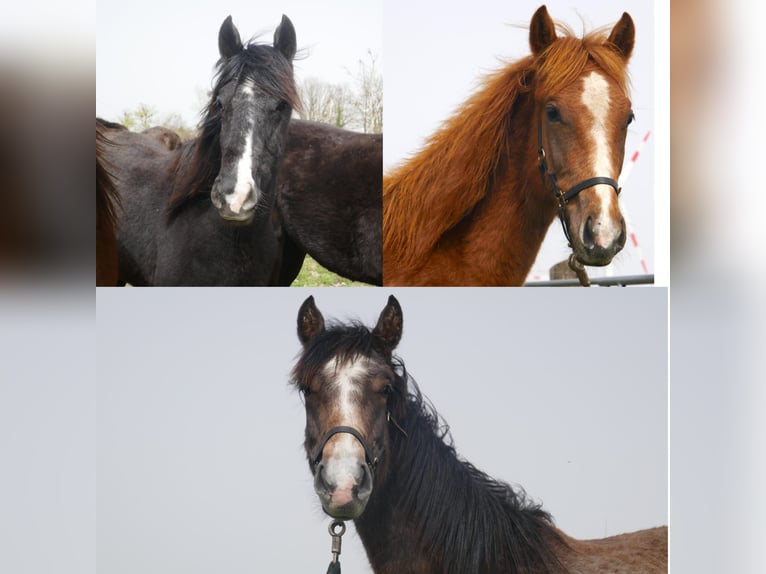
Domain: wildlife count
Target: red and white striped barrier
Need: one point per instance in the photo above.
(623, 178)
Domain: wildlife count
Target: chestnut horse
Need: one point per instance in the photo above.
(107, 202)
(545, 134)
(380, 456)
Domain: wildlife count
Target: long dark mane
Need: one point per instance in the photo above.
(472, 521)
(199, 160)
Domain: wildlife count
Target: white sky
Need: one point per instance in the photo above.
(163, 53)
(434, 60)
(200, 459)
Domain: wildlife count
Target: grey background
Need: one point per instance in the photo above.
(200, 462)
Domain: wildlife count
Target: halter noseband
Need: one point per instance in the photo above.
(371, 461)
(563, 197)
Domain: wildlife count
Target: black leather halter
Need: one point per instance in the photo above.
(563, 197)
(316, 458)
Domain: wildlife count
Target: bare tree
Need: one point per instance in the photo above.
(326, 103)
(367, 104)
(359, 107)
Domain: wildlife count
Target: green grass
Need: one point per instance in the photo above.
(314, 275)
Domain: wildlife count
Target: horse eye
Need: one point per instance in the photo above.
(553, 113)
(306, 391)
(387, 390)
(218, 103)
(631, 118)
(281, 106)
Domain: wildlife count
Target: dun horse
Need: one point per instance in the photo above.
(546, 134)
(201, 214)
(378, 456)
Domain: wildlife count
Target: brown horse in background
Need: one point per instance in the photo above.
(544, 133)
(381, 455)
(107, 202)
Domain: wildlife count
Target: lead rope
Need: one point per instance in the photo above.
(334, 567)
(580, 271)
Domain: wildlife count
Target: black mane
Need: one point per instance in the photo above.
(199, 160)
(472, 521)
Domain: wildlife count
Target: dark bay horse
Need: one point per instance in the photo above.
(201, 214)
(545, 134)
(107, 203)
(380, 455)
(329, 198)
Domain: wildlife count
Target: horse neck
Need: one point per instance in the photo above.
(426, 201)
(500, 241)
(432, 513)
(193, 169)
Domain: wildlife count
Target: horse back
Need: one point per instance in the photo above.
(640, 552)
(141, 168)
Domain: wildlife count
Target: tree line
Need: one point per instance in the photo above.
(356, 106)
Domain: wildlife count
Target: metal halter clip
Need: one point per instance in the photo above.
(336, 537)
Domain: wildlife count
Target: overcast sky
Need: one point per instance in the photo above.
(200, 459)
(434, 59)
(163, 53)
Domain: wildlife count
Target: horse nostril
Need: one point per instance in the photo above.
(320, 481)
(623, 233)
(588, 238)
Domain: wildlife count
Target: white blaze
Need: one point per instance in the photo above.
(595, 96)
(343, 464)
(245, 193)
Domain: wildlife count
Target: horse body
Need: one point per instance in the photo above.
(381, 455)
(200, 214)
(198, 247)
(329, 198)
(473, 207)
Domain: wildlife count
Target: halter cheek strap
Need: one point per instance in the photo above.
(372, 461)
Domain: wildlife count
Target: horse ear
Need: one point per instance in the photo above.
(229, 41)
(310, 321)
(542, 30)
(623, 36)
(388, 331)
(284, 38)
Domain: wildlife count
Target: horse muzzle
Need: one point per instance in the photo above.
(343, 487)
(596, 241)
(343, 480)
(237, 204)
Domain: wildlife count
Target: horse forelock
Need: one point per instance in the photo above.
(344, 343)
(566, 59)
(269, 69)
